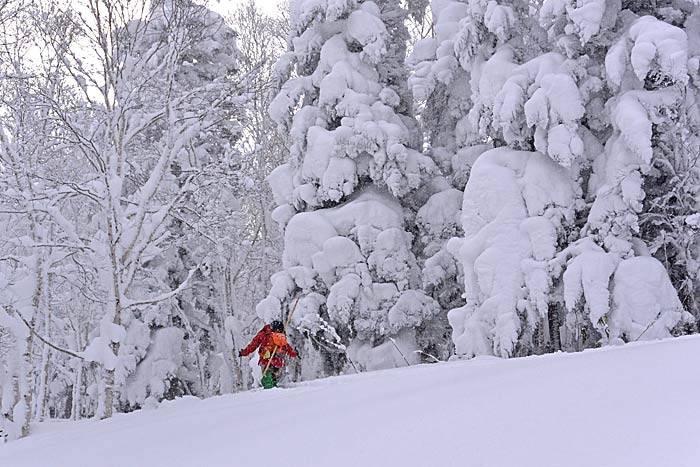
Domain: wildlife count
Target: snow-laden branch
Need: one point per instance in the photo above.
(46, 341)
(165, 296)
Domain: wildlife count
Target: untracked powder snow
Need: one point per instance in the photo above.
(629, 406)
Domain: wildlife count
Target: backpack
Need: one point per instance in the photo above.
(279, 339)
(278, 343)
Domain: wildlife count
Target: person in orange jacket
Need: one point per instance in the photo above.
(270, 337)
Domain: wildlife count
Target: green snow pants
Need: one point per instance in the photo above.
(269, 380)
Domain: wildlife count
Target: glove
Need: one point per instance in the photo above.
(240, 353)
(298, 354)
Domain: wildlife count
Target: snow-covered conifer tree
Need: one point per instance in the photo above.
(344, 194)
(639, 63)
(487, 65)
(555, 82)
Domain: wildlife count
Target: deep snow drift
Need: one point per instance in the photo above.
(631, 406)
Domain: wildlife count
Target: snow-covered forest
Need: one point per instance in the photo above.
(431, 179)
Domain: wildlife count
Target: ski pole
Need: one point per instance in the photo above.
(397, 348)
(285, 328)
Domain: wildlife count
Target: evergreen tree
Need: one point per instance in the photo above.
(345, 196)
(638, 68)
(553, 82)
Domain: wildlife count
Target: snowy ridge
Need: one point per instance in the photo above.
(631, 406)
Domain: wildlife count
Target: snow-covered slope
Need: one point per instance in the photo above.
(631, 406)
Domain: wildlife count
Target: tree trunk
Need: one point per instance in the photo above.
(43, 396)
(234, 367)
(117, 318)
(43, 393)
(229, 360)
(108, 394)
(77, 383)
(26, 378)
(544, 335)
(13, 375)
(25, 384)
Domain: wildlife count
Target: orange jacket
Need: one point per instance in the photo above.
(263, 342)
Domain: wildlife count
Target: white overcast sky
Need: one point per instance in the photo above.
(224, 6)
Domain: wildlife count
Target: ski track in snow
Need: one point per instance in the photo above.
(631, 406)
